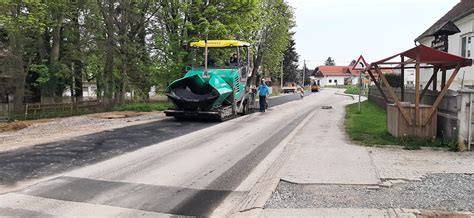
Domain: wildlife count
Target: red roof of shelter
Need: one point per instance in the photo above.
(432, 56)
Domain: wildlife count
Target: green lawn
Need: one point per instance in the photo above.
(354, 90)
(145, 107)
(370, 128)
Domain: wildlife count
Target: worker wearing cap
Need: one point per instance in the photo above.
(263, 92)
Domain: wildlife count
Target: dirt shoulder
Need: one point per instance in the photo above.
(28, 133)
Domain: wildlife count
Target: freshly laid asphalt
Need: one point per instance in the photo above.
(52, 158)
(196, 174)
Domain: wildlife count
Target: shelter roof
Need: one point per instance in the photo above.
(432, 56)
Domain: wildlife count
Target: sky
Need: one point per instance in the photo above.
(346, 29)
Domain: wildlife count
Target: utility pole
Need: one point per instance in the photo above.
(361, 88)
(304, 71)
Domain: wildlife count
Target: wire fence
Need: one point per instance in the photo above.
(38, 110)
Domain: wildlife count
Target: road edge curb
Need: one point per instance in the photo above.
(258, 195)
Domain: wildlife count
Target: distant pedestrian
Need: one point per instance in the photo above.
(263, 92)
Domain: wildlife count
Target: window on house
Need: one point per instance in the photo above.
(466, 46)
(330, 81)
(335, 81)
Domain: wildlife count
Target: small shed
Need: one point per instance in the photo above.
(404, 118)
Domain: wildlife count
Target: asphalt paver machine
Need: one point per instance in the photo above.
(218, 86)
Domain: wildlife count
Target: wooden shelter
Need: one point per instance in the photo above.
(406, 119)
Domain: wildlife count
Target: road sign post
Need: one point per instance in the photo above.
(360, 88)
(361, 66)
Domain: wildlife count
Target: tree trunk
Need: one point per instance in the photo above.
(56, 33)
(77, 64)
(78, 90)
(108, 78)
(49, 94)
(19, 95)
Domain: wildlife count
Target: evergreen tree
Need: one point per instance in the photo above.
(330, 62)
(290, 62)
(353, 62)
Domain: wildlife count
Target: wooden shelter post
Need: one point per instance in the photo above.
(377, 84)
(442, 94)
(418, 119)
(393, 95)
(417, 89)
(402, 75)
(432, 80)
(443, 79)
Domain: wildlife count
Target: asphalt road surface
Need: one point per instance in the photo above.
(182, 168)
(52, 158)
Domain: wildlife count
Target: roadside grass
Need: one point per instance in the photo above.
(354, 90)
(370, 128)
(145, 107)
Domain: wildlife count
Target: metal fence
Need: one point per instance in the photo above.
(5, 108)
(466, 120)
(471, 123)
(61, 109)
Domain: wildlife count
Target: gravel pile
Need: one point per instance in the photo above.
(81, 121)
(62, 128)
(452, 192)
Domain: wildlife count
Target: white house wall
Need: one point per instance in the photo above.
(324, 81)
(466, 25)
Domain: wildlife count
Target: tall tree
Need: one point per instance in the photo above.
(22, 23)
(290, 61)
(353, 62)
(273, 37)
(307, 74)
(179, 23)
(330, 62)
(128, 46)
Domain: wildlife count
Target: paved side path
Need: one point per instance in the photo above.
(327, 175)
(324, 156)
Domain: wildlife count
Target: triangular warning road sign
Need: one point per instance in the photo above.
(360, 64)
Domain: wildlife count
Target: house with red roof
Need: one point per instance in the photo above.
(340, 75)
(335, 76)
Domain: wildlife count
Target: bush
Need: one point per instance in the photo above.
(354, 90)
(395, 80)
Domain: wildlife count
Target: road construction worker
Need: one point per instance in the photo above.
(263, 92)
(234, 60)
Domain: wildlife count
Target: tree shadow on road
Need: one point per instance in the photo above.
(56, 157)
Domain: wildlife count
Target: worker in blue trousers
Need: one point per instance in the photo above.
(263, 92)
